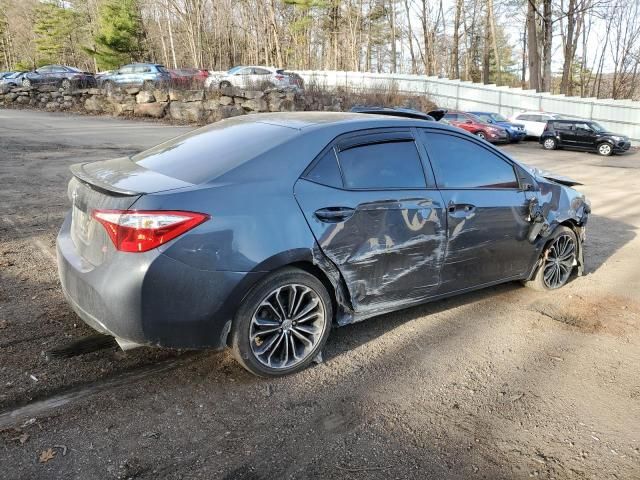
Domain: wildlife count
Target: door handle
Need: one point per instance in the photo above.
(334, 214)
(461, 209)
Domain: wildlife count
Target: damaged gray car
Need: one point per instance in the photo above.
(263, 232)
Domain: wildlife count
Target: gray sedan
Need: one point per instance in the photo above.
(263, 232)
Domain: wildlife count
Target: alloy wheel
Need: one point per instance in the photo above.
(26, 83)
(287, 326)
(66, 84)
(559, 261)
(481, 135)
(604, 149)
(549, 144)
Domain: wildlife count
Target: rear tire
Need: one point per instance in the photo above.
(225, 84)
(481, 135)
(26, 83)
(148, 85)
(65, 84)
(559, 258)
(107, 87)
(550, 144)
(282, 324)
(605, 149)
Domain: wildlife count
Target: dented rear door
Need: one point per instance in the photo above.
(372, 214)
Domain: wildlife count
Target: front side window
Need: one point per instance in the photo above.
(389, 165)
(461, 163)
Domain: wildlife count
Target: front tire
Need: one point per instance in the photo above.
(557, 261)
(481, 135)
(550, 143)
(26, 83)
(225, 84)
(282, 324)
(65, 84)
(605, 149)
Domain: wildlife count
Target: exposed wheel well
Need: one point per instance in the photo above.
(320, 275)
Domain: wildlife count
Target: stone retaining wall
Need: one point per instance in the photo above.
(183, 106)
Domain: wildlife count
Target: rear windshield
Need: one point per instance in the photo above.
(208, 152)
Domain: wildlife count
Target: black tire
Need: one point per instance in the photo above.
(65, 84)
(247, 350)
(605, 149)
(539, 281)
(550, 143)
(148, 85)
(26, 82)
(481, 134)
(225, 84)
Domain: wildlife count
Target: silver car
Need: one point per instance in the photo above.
(251, 76)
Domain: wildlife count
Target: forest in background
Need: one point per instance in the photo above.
(575, 47)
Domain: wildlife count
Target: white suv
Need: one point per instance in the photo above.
(534, 122)
(250, 76)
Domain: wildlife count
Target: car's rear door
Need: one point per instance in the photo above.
(486, 209)
(377, 217)
(566, 132)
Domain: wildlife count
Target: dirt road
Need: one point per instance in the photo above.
(502, 383)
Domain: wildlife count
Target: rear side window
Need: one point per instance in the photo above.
(388, 165)
(326, 171)
(460, 163)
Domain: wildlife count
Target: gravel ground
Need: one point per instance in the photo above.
(501, 383)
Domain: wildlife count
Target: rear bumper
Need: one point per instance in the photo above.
(149, 298)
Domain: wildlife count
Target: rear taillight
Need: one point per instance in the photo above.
(143, 230)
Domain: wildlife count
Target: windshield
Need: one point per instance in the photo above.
(498, 118)
(596, 127)
(233, 70)
(208, 152)
(484, 117)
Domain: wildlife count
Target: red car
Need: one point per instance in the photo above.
(188, 77)
(473, 124)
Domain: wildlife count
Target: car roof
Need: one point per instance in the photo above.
(343, 121)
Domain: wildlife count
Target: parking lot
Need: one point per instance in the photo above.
(501, 383)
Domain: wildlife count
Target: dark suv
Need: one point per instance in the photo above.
(582, 135)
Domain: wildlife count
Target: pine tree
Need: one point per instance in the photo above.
(52, 30)
(120, 34)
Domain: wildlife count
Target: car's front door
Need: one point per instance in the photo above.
(486, 209)
(376, 218)
(585, 137)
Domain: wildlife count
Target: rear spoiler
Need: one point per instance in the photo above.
(123, 177)
(80, 174)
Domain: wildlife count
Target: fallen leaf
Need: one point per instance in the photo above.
(47, 455)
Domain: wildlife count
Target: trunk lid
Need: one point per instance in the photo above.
(109, 185)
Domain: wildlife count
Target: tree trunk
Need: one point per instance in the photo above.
(532, 48)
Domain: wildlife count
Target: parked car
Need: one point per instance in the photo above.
(320, 218)
(59, 76)
(12, 79)
(188, 77)
(583, 135)
(473, 124)
(534, 122)
(252, 77)
(143, 75)
(515, 131)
